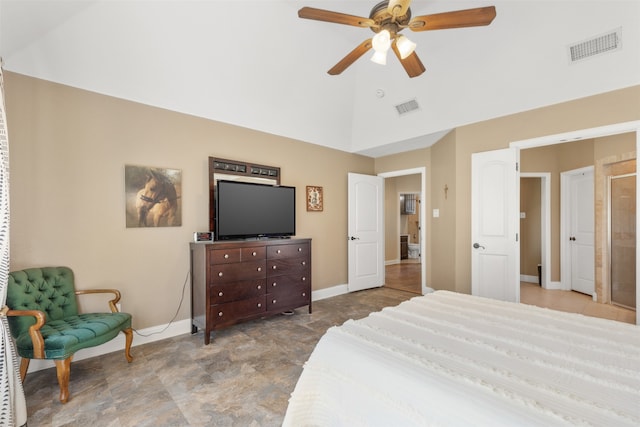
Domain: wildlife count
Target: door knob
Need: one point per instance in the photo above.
(353, 238)
(477, 245)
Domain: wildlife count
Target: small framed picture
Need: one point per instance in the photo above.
(315, 198)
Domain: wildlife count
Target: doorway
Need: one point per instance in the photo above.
(614, 131)
(535, 229)
(406, 274)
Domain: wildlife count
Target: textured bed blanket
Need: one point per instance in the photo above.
(450, 359)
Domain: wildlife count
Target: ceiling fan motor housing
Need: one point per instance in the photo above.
(385, 21)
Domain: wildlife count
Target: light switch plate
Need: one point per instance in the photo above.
(436, 213)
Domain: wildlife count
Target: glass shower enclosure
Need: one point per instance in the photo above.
(622, 239)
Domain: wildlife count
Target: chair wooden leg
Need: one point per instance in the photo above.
(24, 367)
(63, 369)
(128, 335)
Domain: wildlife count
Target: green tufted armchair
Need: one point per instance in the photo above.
(45, 322)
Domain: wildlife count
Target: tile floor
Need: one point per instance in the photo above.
(243, 378)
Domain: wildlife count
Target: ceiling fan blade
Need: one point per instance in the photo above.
(350, 58)
(400, 6)
(411, 64)
(335, 17)
(456, 19)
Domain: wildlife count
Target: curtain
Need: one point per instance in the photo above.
(13, 407)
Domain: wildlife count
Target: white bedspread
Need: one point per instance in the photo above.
(449, 359)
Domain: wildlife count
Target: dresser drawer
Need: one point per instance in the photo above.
(225, 273)
(288, 251)
(237, 290)
(278, 267)
(225, 256)
(274, 284)
(253, 253)
(294, 296)
(232, 311)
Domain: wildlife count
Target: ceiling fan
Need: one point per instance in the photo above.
(387, 19)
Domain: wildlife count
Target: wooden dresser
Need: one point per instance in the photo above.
(234, 281)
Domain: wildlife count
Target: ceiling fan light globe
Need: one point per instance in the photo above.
(381, 42)
(405, 46)
(379, 57)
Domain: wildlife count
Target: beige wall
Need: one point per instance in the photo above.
(609, 108)
(68, 150)
(443, 229)
(69, 147)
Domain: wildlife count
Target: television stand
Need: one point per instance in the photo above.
(236, 281)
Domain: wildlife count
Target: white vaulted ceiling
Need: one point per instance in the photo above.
(256, 64)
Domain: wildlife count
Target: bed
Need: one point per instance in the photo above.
(450, 359)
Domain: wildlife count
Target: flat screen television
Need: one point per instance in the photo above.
(248, 210)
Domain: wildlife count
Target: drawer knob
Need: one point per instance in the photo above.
(220, 314)
(274, 284)
(299, 249)
(278, 251)
(304, 279)
(274, 267)
(259, 305)
(254, 253)
(259, 268)
(259, 286)
(304, 263)
(304, 294)
(226, 256)
(220, 274)
(220, 294)
(274, 301)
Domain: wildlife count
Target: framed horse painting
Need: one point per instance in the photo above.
(153, 196)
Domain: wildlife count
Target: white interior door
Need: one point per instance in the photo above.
(581, 231)
(495, 225)
(366, 232)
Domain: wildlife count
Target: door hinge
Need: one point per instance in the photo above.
(516, 237)
(517, 166)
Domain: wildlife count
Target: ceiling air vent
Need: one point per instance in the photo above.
(407, 107)
(602, 44)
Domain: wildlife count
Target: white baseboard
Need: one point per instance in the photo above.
(157, 333)
(528, 279)
(392, 262)
(144, 336)
(555, 286)
(329, 292)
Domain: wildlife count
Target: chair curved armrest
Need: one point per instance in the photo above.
(34, 330)
(112, 303)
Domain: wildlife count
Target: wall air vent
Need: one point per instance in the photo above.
(602, 44)
(407, 107)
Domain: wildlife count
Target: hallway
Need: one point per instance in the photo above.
(404, 276)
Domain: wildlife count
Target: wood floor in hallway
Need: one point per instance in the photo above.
(404, 276)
